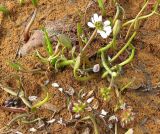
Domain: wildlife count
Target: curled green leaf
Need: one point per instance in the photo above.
(65, 41)
(39, 104)
(16, 66)
(48, 43)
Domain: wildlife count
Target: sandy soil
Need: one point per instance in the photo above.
(145, 69)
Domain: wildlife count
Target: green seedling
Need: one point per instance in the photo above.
(106, 93)
(18, 67)
(48, 44)
(56, 57)
(4, 10)
(102, 7)
(126, 116)
(35, 3)
(79, 107)
(21, 2)
(64, 41)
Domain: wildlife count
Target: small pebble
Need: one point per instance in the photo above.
(51, 121)
(55, 85)
(77, 116)
(96, 68)
(17, 132)
(60, 89)
(103, 113)
(88, 109)
(33, 129)
(61, 121)
(110, 126)
(32, 98)
(46, 82)
(90, 99)
(70, 91)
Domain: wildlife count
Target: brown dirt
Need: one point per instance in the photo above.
(146, 105)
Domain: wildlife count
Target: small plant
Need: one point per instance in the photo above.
(56, 58)
(20, 68)
(79, 107)
(35, 3)
(21, 2)
(126, 117)
(106, 93)
(4, 10)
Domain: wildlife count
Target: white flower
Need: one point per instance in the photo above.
(103, 28)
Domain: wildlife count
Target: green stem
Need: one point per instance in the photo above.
(143, 17)
(39, 104)
(16, 118)
(104, 63)
(32, 121)
(140, 18)
(122, 63)
(129, 59)
(117, 13)
(94, 123)
(136, 19)
(107, 46)
(90, 40)
(65, 63)
(124, 48)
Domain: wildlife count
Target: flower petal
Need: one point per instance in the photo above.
(100, 18)
(95, 17)
(108, 30)
(90, 24)
(103, 34)
(107, 22)
(92, 19)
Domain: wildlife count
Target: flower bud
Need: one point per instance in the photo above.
(116, 28)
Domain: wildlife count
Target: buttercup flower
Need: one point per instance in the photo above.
(103, 28)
